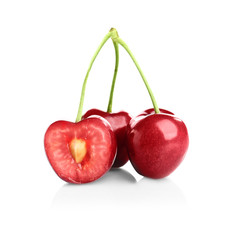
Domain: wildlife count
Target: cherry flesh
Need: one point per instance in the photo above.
(118, 122)
(156, 143)
(80, 152)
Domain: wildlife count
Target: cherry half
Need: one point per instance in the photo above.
(156, 143)
(118, 122)
(80, 152)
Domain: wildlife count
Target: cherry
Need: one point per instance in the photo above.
(118, 122)
(156, 143)
(84, 151)
(156, 140)
(80, 152)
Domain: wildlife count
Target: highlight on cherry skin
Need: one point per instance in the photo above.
(118, 122)
(156, 143)
(80, 152)
(151, 111)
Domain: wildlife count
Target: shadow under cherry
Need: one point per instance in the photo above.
(119, 188)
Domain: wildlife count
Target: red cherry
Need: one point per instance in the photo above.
(80, 152)
(118, 122)
(156, 143)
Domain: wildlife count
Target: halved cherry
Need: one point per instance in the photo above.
(80, 152)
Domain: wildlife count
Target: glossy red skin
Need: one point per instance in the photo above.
(101, 149)
(151, 111)
(145, 113)
(156, 143)
(118, 122)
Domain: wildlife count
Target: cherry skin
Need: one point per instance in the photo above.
(156, 143)
(151, 111)
(118, 122)
(145, 113)
(80, 152)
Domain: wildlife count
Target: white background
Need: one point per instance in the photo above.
(192, 55)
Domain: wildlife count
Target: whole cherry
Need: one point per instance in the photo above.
(156, 140)
(156, 143)
(118, 122)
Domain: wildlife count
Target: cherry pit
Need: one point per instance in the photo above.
(155, 141)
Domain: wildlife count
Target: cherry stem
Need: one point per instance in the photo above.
(115, 38)
(80, 109)
(116, 46)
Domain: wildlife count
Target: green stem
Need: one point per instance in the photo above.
(116, 38)
(80, 109)
(116, 46)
